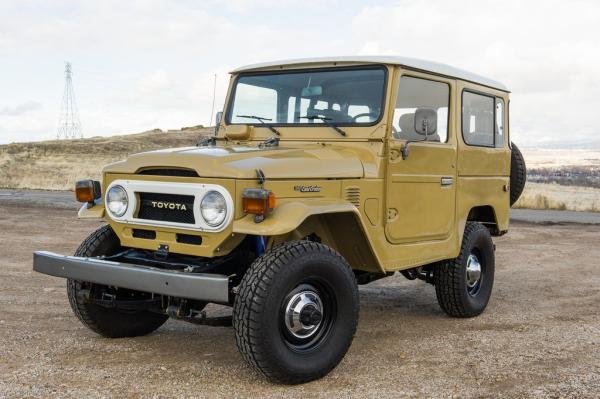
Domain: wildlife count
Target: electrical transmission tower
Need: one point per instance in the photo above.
(69, 125)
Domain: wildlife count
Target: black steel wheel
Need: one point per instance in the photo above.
(296, 312)
(112, 322)
(464, 285)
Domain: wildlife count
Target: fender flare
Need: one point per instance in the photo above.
(96, 211)
(290, 215)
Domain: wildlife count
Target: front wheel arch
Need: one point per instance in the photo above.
(342, 231)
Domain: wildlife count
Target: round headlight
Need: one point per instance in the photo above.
(117, 201)
(213, 208)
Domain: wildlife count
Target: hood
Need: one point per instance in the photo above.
(241, 162)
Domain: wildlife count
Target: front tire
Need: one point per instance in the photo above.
(296, 312)
(108, 322)
(464, 285)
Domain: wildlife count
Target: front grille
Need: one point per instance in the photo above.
(167, 207)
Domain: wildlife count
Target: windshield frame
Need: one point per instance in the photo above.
(235, 82)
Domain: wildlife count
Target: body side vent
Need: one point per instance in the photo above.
(353, 195)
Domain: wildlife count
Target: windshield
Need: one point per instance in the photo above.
(332, 97)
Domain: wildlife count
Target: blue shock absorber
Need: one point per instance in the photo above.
(260, 245)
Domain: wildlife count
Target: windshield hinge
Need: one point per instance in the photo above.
(272, 141)
(260, 175)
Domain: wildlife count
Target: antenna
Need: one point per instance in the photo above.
(69, 125)
(212, 109)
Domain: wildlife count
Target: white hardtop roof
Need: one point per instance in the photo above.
(412, 63)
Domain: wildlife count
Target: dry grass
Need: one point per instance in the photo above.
(554, 196)
(56, 165)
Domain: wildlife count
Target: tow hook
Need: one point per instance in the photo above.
(162, 253)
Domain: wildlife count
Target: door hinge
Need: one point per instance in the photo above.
(392, 213)
(394, 154)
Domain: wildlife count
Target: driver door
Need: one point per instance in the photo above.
(421, 188)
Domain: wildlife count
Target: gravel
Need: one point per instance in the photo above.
(539, 336)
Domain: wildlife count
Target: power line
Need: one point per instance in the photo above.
(69, 125)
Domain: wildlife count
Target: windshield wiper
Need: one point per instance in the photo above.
(325, 120)
(261, 120)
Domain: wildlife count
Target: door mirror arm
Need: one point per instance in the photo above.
(404, 149)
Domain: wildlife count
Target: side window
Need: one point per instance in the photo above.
(499, 141)
(415, 94)
(478, 119)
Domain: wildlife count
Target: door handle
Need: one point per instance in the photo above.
(446, 181)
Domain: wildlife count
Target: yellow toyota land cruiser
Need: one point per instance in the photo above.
(322, 174)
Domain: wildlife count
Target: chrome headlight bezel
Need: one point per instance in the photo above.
(198, 190)
(117, 190)
(218, 207)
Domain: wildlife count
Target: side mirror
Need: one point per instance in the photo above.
(218, 118)
(425, 121)
(425, 124)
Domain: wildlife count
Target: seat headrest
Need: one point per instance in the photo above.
(407, 124)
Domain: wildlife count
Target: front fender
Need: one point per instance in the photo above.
(289, 215)
(96, 211)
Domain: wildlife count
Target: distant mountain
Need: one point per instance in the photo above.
(57, 164)
(568, 144)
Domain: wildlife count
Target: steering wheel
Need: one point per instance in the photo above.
(371, 114)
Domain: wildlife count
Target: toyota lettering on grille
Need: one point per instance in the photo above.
(168, 205)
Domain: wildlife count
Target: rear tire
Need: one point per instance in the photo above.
(296, 312)
(464, 285)
(108, 322)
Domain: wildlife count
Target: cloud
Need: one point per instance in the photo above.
(547, 53)
(154, 83)
(140, 65)
(20, 109)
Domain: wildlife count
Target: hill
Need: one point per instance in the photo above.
(57, 164)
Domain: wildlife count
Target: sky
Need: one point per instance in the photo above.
(140, 65)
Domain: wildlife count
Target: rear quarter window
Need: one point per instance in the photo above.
(478, 119)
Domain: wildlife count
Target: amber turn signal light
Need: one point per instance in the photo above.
(87, 190)
(258, 202)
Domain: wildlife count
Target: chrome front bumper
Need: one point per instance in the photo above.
(204, 287)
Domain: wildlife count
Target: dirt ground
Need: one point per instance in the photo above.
(539, 337)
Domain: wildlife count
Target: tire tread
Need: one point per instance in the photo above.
(448, 276)
(141, 323)
(253, 293)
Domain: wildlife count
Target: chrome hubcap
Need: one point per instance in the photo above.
(473, 274)
(304, 313)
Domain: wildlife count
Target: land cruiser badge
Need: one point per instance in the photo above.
(308, 189)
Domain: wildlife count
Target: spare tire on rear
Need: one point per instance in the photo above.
(518, 174)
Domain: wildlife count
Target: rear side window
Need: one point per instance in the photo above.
(478, 119)
(499, 122)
